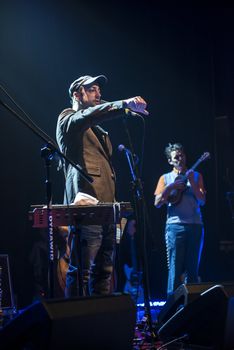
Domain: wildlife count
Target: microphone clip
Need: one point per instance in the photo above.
(131, 113)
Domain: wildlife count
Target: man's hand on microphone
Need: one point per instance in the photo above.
(136, 104)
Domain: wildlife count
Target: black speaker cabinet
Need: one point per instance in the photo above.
(183, 295)
(105, 322)
(206, 321)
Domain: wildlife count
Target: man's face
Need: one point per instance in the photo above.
(91, 95)
(178, 159)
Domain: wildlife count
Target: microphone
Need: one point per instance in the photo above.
(122, 148)
(134, 158)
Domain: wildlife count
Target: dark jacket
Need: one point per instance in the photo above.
(82, 140)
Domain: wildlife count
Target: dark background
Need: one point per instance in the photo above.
(181, 60)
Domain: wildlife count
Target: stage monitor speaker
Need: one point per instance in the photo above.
(183, 295)
(105, 322)
(206, 321)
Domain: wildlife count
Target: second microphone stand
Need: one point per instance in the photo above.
(141, 220)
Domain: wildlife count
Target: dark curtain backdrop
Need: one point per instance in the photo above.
(179, 59)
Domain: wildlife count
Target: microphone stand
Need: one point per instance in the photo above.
(141, 219)
(48, 152)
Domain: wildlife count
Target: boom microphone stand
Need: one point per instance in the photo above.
(48, 152)
(141, 220)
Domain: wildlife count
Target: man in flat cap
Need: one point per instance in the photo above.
(81, 138)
